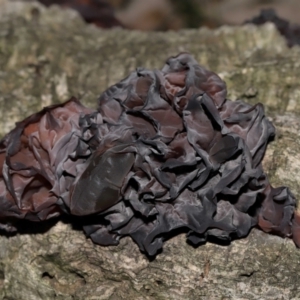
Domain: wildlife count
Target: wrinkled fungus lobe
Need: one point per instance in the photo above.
(165, 150)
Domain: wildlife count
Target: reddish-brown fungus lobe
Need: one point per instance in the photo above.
(165, 151)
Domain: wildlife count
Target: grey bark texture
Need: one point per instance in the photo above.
(47, 55)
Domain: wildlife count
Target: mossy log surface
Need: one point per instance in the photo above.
(48, 55)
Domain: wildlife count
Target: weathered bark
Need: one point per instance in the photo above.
(48, 55)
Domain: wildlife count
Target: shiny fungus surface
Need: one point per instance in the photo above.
(164, 151)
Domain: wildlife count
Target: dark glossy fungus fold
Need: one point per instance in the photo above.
(165, 151)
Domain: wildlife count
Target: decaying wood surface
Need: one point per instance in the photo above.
(47, 55)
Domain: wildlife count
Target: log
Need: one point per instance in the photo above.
(48, 55)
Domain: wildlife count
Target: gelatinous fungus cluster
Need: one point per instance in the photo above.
(166, 150)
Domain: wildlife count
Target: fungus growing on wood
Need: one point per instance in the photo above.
(165, 151)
